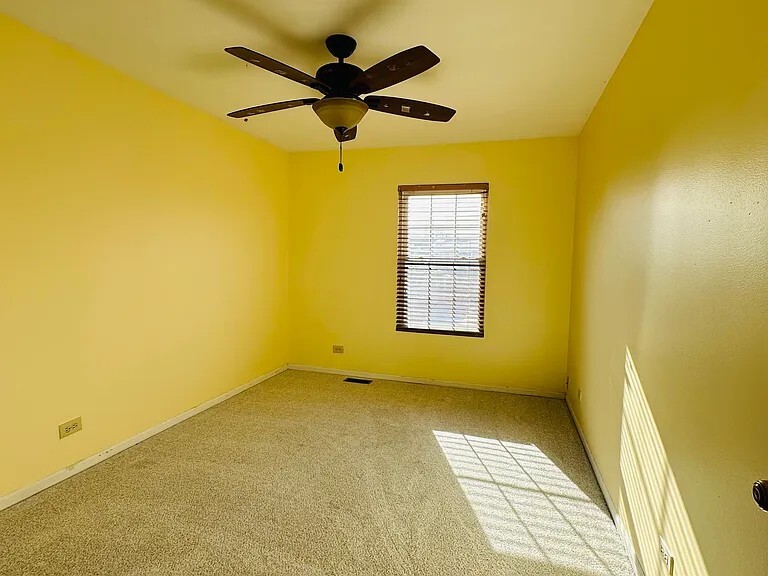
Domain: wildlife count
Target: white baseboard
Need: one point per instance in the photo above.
(428, 381)
(56, 477)
(630, 547)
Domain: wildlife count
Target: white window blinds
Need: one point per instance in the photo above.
(441, 258)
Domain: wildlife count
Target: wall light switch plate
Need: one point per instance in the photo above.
(69, 428)
(666, 556)
(338, 349)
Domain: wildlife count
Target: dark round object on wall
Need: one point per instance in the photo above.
(760, 494)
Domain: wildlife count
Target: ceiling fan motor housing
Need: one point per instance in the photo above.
(339, 77)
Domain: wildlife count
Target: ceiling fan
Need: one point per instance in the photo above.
(342, 84)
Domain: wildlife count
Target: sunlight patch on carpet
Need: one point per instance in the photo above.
(528, 507)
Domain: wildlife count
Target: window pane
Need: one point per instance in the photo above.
(444, 227)
(443, 297)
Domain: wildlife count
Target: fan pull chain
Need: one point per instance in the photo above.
(341, 158)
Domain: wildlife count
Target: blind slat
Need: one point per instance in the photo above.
(441, 258)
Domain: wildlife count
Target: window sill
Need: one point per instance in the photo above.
(441, 332)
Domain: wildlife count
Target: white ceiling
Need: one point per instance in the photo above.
(512, 68)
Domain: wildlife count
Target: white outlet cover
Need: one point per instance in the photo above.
(667, 557)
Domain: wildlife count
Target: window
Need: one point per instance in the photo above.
(441, 259)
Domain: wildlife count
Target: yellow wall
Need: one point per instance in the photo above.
(141, 263)
(669, 330)
(343, 254)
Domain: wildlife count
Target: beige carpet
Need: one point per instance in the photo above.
(305, 474)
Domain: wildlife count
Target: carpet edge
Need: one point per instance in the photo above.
(429, 381)
(634, 559)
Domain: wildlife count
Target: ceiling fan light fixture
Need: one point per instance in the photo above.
(338, 112)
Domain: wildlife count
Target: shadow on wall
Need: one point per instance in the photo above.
(651, 504)
(530, 510)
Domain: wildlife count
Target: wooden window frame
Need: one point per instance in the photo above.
(406, 191)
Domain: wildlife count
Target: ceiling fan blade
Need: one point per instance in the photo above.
(273, 107)
(410, 108)
(348, 135)
(272, 65)
(395, 69)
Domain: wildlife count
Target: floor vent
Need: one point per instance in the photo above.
(358, 380)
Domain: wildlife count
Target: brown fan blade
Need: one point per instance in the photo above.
(410, 108)
(274, 107)
(395, 69)
(272, 65)
(347, 135)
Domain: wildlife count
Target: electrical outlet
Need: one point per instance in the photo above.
(666, 556)
(69, 428)
(337, 349)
